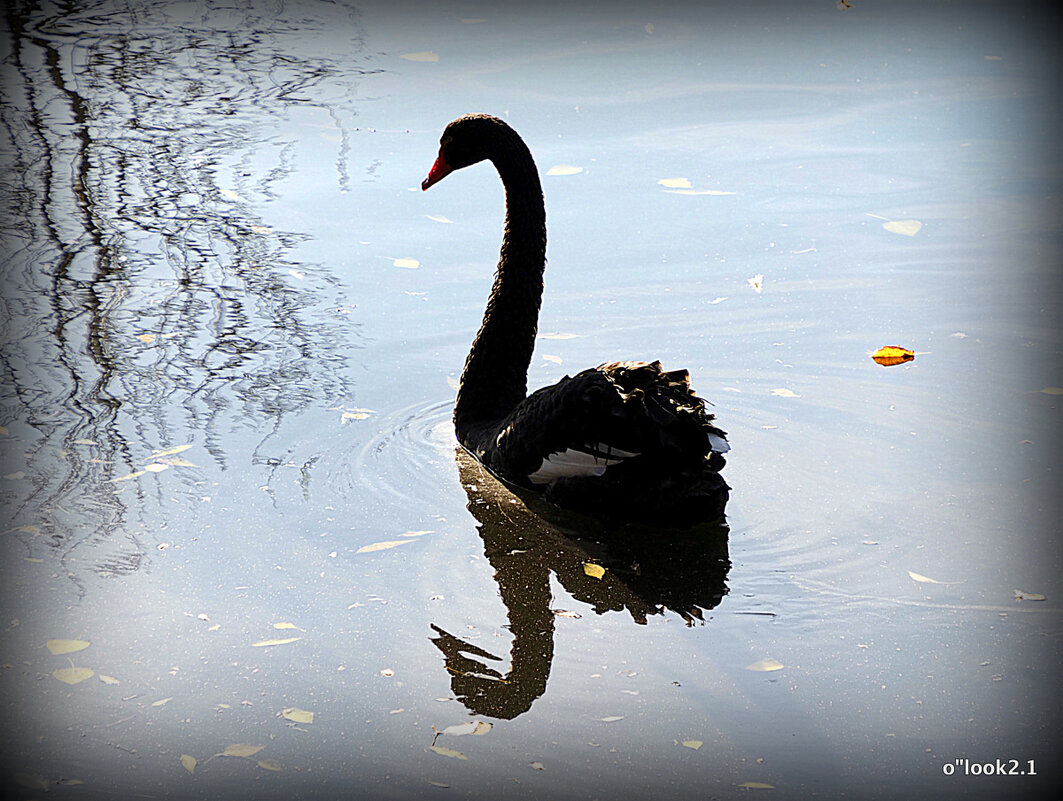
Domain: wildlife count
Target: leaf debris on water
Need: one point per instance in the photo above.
(380, 546)
(267, 643)
(1021, 595)
(890, 355)
(59, 647)
(927, 580)
(765, 665)
(593, 570)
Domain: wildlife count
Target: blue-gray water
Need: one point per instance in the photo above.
(214, 237)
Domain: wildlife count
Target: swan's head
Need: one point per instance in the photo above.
(467, 140)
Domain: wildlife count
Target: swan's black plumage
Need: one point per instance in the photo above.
(625, 439)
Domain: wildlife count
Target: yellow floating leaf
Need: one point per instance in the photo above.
(1053, 390)
(73, 675)
(147, 339)
(611, 718)
(564, 169)
(285, 626)
(766, 665)
(423, 55)
(694, 744)
(5, 432)
(785, 393)
(551, 358)
(1028, 596)
(58, 647)
(296, 715)
(406, 263)
(890, 355)
(353, 416)
(127, 476)
(447, 752)
(675, 183)
(905, 227)
(170, 451)
(269, 764)
(188, 762)
(162, 701)
(241, 750)
(380, 546)
(757, 786)
(156, 467)
(593, 570)
(266, 643)
(108, 679)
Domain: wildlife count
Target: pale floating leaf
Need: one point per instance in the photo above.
(1053, 390)
(476, 727)
(766, 665)
(228, 193)
(439, 218)
(147, 339)
(419, 533)
(675, 183)
(108, 679)
(15, 476)
(1021, 595)
(927, 580)
(162, 701)
(698, 192)
(757, 282)
(558, 335)
(269, 764)
(175, 462)
(156, 467)
(551, 358)
(406, 263)
(128, 476)
(188, 762)
(5, 432)
(381, 546)
(423, 55)
(905, 227)
(611, 718)
(649, 28)
(297, 715)
(757, 786)
(285, 626)
(74, 675)
(447, 752)
(387, 673)
(59, 647)
(693, 744)
(261, 229)
(785, 393)
(566, 613)
(170, 451)
(593, 570)
(267, 643)
(244, 750)
(564, 169)
(299, 274)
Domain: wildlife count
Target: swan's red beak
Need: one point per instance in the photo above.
(439, 171)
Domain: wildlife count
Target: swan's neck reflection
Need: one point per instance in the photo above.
(646, 573)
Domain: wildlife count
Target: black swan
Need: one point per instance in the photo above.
(624, 439)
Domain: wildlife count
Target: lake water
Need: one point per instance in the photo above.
(232, 328)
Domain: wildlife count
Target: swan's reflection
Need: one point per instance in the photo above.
(646, 572)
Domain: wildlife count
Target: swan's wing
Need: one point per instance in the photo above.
(618, 413)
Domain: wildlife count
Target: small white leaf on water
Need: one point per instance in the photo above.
(675, 183)
(564, 169)
(422, 55)
(406, 263)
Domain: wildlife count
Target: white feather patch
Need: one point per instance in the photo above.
(718, 444)
(565, 464)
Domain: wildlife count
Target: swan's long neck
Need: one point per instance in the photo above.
(495, 378)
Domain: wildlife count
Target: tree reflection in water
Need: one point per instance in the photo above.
(647, 572)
